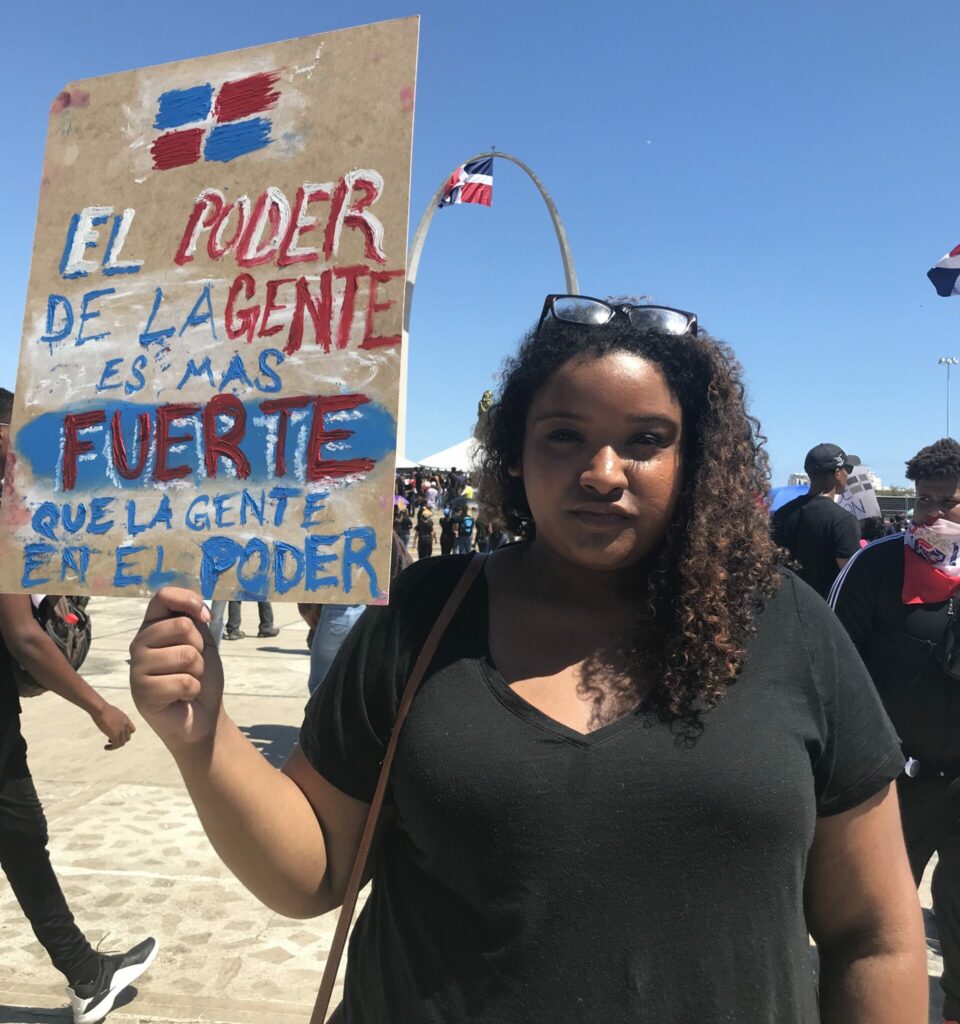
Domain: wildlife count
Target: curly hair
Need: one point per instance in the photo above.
(717, 562)
(938, 461)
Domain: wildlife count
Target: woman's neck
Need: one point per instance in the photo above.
(560, 583)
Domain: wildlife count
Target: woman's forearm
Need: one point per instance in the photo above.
(258, 821)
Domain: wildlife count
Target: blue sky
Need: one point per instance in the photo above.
(785, 170)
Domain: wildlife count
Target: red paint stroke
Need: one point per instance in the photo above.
(69, 98)
(176, 149)
(246, 96)
(283, 406)
(406, 99)
(121, 461)
(73, 445)
(319, 468)
(166, 414)
(228, 443)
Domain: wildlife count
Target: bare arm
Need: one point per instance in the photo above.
(38, 654)
(863, 911)
(289, 837)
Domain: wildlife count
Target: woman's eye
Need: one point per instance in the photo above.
(649, 440)
(563, 435)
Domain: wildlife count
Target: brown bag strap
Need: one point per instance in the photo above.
(474, 567)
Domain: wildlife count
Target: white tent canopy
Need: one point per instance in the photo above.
(457, 456)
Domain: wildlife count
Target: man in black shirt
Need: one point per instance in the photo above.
(94, 979)
(817, 532)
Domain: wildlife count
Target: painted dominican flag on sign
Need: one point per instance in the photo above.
(217, 125)
(943, 275)
(472, 182)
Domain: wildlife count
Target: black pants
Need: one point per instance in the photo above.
(930, 811)
(233, 614)
(26, 863)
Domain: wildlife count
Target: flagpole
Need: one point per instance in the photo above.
(947, 361)
(413, 263)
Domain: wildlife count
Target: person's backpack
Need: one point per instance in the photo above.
(468, 525)
(66, 622)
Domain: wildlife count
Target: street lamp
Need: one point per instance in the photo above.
(947, 361)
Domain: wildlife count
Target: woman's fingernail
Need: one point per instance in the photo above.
(205, 615)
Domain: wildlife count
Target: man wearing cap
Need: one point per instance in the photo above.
(818, 533)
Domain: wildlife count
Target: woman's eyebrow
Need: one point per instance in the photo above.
(642, 417)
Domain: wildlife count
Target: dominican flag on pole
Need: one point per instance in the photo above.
(943, 276)
(470, 183)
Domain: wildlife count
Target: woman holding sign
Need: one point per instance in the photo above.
(644, 762)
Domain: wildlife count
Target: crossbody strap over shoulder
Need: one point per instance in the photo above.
(347, 909)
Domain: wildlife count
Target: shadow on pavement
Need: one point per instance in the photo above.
(273, 741)
(41, 1015)
(285, 650)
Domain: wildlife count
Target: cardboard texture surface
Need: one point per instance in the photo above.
(209, 365)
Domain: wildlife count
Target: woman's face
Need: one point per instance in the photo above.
(601, 462)
(937, 498)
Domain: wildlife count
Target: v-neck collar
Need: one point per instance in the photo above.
(531, 714)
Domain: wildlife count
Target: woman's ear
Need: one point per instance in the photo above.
(515, 472)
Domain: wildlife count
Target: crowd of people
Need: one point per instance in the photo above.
(665, 737)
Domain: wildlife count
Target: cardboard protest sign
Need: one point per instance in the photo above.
(860, 499)
(208, 378)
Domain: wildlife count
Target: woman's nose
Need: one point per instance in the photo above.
(605, 472)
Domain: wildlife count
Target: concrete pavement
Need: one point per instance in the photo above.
(133, 859)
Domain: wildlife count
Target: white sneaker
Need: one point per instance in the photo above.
(92, 1002)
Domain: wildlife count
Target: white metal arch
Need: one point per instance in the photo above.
(413, 263)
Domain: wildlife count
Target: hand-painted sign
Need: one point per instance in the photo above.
(207, 388)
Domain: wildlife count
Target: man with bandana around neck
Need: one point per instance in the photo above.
(819, 534)
(896, 599)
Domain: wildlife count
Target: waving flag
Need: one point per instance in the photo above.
(943, 276)
(470, 183)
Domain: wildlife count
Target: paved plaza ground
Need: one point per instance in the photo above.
(134, 861)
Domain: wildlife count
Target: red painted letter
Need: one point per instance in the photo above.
(120, 463)
(73, 447)
(246, 318)
(283, 406)
(166, 414)
(228, 444)
(370, 340)
(317, 466)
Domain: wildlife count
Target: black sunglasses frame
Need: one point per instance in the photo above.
(621, 308)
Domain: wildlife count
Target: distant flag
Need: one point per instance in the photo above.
(470, 183)
(943, 276)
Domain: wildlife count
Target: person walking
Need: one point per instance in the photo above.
(425, 534)
(645, 762)
(94, 980)
(899, 600)
(818, 533)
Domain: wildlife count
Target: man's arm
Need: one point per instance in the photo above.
(863, 911)
(38, 654)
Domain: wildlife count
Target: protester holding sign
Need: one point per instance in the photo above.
(94, 979)
(899, 599)
(644, 761)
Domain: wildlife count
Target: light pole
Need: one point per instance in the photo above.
(947, 361)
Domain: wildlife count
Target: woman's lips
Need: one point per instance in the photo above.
(602, 518)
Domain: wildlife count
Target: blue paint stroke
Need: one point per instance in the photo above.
(183, 106)
(228, 141)
(373, 437)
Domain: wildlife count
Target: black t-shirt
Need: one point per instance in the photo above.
(900, 644)
(816, 531)
(534, 874)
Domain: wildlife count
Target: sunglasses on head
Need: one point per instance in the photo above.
(582, 309)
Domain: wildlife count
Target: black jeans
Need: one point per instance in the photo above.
(26, 863)
(930, 811)
(233, 614)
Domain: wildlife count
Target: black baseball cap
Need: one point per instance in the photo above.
(827, 457)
